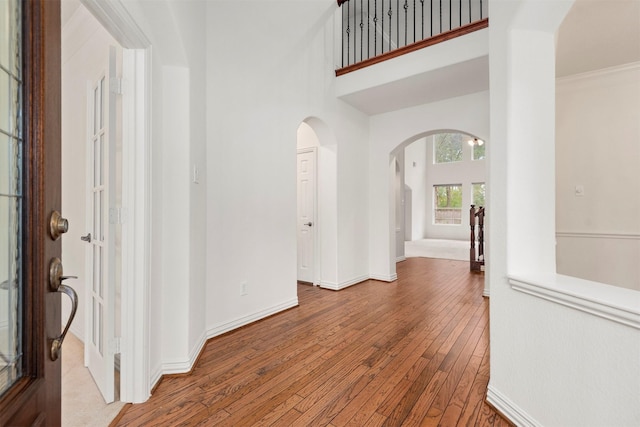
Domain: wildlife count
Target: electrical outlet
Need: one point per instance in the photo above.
(243, 288)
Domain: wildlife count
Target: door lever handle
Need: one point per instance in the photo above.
(86, 238)
(55, 285)
(309, 223)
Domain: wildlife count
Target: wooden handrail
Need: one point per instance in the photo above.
(341, 1)
(442, 37)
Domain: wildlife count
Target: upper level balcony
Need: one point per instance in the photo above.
(423, 51)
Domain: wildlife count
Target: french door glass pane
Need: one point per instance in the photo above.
(11, 200)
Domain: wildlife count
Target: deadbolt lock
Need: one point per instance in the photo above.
(57, 225)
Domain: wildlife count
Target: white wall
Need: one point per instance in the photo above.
(598, 148)
(415, 175)
(557, 358)
(398, 190)
(397, 129)
(177, 287)
(277, 73)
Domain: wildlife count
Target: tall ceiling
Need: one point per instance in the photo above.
(598, 34)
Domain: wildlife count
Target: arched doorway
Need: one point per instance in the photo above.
(317, 243)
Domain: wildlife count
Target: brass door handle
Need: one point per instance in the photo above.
(55, 284)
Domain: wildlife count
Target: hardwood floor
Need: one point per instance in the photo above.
(413, 353)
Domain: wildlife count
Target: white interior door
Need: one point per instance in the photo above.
(100, 340)
(306, 214)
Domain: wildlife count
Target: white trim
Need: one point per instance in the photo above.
(632, 66)
(509, 409)
(225, 327)
(155, 377)
(342, 285)
(613, 303)
(597, 235)
(384, 278)
(184, 366)
(486, 293)
(135, 382)
(115, 18)
(401, 258)
(136, 379)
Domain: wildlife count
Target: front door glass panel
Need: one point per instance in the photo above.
(11, 193)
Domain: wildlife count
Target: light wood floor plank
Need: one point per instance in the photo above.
(408, 353)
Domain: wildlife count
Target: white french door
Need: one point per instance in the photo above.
(100, 343)
(306, 180)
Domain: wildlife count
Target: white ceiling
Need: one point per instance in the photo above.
(447, 82)
(598, 34)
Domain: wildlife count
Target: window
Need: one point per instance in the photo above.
(478, 194)
(478, 152)
(447, 204)
(448, 147)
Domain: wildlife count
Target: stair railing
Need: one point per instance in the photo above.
(476, 216)
(376, 30)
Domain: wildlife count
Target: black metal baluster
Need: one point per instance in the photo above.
(460, 11)
(469, 11)
(390, 13)
(397, 24)
(361, 30)
(431, 17)
(414, 21)
(440, 16)
(368, 30)
(348, 36)
(375, 28)
(422, 35)
(406, 10)
(382, 28)
(450, 17)
(355, 34)
(343, 37)
(480, 9)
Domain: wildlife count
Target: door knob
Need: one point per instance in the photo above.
(309, 223)
(57, 225)
(86, 238)
(55, 284)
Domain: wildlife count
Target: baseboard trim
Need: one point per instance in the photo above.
(508, 409)
(225, 327)
(184, 367)
(155, 378)
(401, 258)
(342, 285)
(383, 278)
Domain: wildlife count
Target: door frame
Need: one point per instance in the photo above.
(34, 399)
(315, 228)
(135, 384)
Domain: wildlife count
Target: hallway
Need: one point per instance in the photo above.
(412, 352)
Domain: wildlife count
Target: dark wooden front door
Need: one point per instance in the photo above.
(30, 134)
